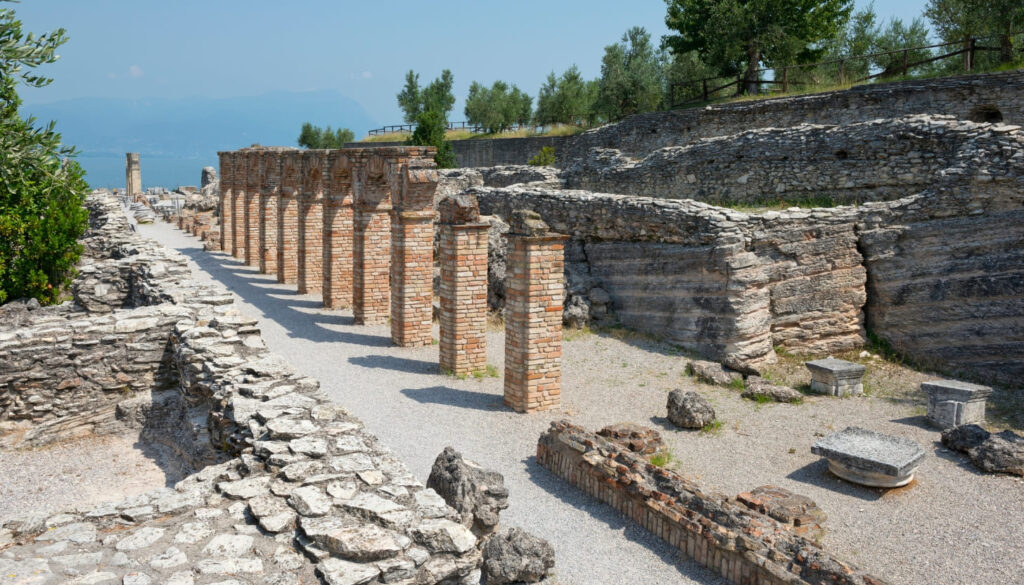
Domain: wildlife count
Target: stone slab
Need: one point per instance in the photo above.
(869, 457)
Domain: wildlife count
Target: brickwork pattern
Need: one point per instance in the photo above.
(370, 266)
(463, 297)
(288, 221)
(227, 176)
(412, 271)
(742, 545)
(238, 215)
(268, 213)
(253, 185)
(533, 322)
(310, 244)
(338, 234)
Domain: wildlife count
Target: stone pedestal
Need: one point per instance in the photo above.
(952, 403)
(870, 458)
(836, 377)
(533, 315)
(463, 291)
(310, 244)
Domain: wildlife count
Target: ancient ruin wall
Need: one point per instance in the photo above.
(880, 160)
(330, 502)
(987, 97)
(740, 544)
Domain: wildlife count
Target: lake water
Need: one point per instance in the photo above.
(108, 171)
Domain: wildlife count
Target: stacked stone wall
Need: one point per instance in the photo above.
(967, 97)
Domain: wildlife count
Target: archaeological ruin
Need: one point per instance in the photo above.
(887, 216)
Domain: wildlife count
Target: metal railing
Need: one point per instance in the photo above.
(711, 88)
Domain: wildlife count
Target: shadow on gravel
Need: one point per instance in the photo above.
(457, 398)
(260, 290)
(598, 510)
(817, 474)
(919, 421)
(387, 362)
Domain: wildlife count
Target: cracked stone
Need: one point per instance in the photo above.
(289, 428)
(229, 566)
(245, 489)
(78, 533)
(192, 532)
(364, 542)
(443, 535)
(141, 538)
(168, 559)
(339, 572)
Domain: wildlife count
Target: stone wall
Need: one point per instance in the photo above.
(305, 495)
(490, 152)
(742, 545)
(880, 160)
(986, 97)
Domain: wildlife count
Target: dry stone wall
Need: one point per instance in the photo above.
(304, 494)
(990, 97)
(880, 160)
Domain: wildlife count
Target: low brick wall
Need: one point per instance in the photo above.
(742, 545)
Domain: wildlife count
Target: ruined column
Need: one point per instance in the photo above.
(463, 292)
(338, 233)
(311, 223)
(371, 244)
(133, 176)
(224, 202)
(238, 205)
(271, 164)
(533, 314)
(288, 219)
(413, 182)
(253, 183)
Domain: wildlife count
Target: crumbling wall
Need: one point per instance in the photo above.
(880, 160)
(740, 544)
(989, 97)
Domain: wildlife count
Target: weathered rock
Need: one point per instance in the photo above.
(964, 437)
(712, 372)
(760, 389)
(209, 176)
(516, 556)
(1000, 453)
(478, 495)
(689, 410)
(636, 438)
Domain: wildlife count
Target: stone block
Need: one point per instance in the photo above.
(836, 377)
(952, 403)
(869, 457)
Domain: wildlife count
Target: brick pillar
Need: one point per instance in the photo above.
(413, 182)
(311, 223)
(238, 207)
(253, 186)
(337, 266)
(463, 260)
(224, 202)
(288, 220)
(533, 314)
(371, 244)
(268, 212)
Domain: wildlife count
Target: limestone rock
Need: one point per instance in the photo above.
(712, 372)
(759, 388)
(964, 437)
(517, 556)
(209, 177)
(477, 494)
(689, 410)
(995, 453)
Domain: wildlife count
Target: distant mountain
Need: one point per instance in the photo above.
(189, 129)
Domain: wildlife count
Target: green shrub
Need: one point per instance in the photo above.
(544, 158)
(41, 190)
(430, 129)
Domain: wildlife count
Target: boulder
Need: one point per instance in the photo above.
(477, 494)
(1000, 453)
(689, 410)
(712, 372)
(964, 437)
(760, 389)
(576, 312)
(516, 556)
(209, 176)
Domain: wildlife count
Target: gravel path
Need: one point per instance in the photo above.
(85, 472)
(952, 526)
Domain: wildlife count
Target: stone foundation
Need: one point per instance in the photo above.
(743, 545)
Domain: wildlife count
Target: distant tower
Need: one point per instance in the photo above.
(133, 176)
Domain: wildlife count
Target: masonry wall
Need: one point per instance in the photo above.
(967, 97)
(490, 152)
(741, 545)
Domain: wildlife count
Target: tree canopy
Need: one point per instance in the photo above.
(316, 137)
(438, 96)
(956, 20)
(566, 99)
(42, 191)
(631, 76)
(498, 107)
(736, 36)
(430, 131)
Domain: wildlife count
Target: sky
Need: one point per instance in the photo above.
(230, 48)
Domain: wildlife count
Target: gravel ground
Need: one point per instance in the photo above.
(85, 472)
(952, 526)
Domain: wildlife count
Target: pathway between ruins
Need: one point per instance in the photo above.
(402, 398)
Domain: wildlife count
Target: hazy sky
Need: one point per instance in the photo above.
(222, 48)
